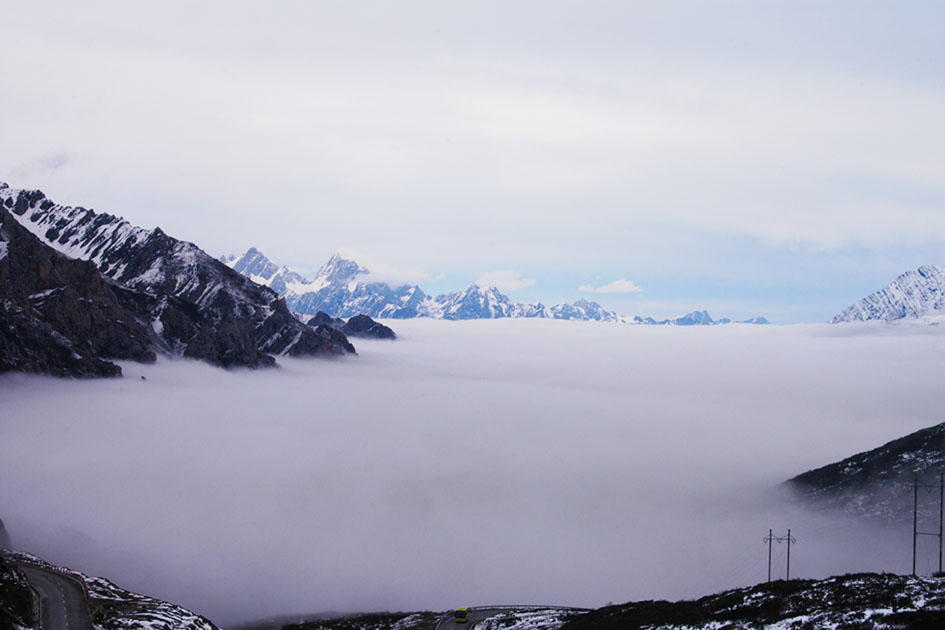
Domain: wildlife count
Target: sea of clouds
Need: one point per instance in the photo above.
(466, 463)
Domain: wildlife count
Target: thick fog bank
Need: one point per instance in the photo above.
(466, 463)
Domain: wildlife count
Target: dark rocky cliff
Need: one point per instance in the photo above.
(165, 295)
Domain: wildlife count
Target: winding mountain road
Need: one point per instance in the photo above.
(64, 606)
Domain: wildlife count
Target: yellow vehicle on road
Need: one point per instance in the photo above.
(462, 614)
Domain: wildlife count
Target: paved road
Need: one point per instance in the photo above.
(63, 600)
(476, 615)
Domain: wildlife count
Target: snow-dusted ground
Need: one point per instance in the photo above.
(467, 463)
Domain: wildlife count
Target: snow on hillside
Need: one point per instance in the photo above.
(915, 295)
(202, 308)
(114, 608)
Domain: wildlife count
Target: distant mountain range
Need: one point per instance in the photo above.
(78, 288)
(877, 483)
(915, 295)
(343, 288)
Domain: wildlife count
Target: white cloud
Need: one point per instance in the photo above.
(506, 280)
(617, 286)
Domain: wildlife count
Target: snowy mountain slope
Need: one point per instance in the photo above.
(913, 295)
(848, 602)
(877, 483)
(114, 608)
(61, 316)
(200, 307)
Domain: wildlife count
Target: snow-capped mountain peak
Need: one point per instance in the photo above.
(913, 295)
(340, 270)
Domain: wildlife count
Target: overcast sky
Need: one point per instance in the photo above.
(775, 158)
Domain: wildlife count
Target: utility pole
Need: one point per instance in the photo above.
(915, 518)
(941, 517)
(771, 538)
(789, 541)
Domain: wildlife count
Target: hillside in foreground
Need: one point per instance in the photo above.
(843, 603)
(846, 602)
(849, 602)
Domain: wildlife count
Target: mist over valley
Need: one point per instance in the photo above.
(523, 461)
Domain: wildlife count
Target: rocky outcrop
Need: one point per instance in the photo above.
(364, 326)
(357, 326)
(59, 315)
(16, 599)
(188, 303)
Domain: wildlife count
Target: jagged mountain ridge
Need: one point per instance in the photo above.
(197, 306)
(913, 295)
(61, 316)
(877, 483)
(343, 288)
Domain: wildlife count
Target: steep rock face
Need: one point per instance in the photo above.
(197, 305)
(59, 315)
(877, 483)
(913, 295)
